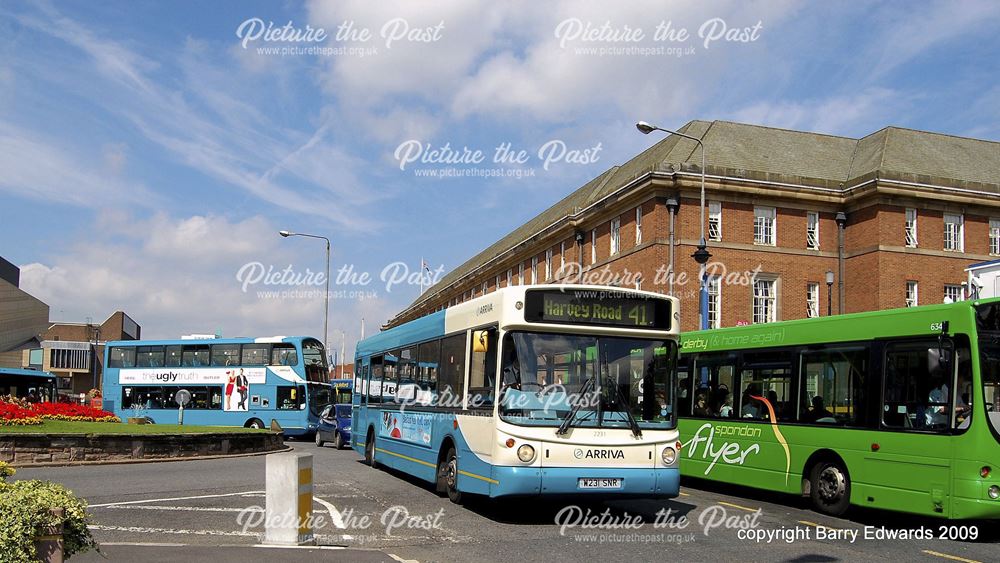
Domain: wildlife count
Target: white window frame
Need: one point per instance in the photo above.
(764, 307)
(765, 226)
(812, 300)
(562, 254)
(812, 230)
(498, 281)
(616, 233)
(548, 264)
(510, 277)
(715, 221)
(912, 294)
(910, 226)
(638, 225)
(995, 237)
(593, 246)
(534, 270)
(520, 274)
(714, 288)
(955, 290)
(486, 287)
(954, 232)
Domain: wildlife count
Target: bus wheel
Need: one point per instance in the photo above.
(448, 476)
(830, 488)
(338, 441)
(255, 423)
(370, 449)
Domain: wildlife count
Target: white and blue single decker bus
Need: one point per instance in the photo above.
(529, 390)
(232, 381)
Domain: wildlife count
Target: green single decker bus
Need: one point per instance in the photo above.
(896, 410)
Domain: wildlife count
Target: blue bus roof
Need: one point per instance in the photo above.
(25, 372)
(239, 340)
(424, 328)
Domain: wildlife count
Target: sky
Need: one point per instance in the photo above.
(151, 151)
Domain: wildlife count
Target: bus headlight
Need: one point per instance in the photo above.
(526, 453)
(994, 492)
(669, 455)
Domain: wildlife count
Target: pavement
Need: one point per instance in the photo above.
(211, 510)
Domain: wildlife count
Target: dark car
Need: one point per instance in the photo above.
(334, 426)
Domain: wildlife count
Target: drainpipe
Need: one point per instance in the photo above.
(673, 203)
(841, 222)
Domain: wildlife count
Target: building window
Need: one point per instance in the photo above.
(812, 300)
(954, 232)
(638, 282)
(616, 228)
(498, 282)
(638, 225)
(714, 301)
(715, 220)
(593, 246)
(486, 288)
(534, 269)
(911, 294)
(911, 227)
(763, 225)
(548, 264)
(764, 301)
(995, 236)
(812, 230)
(953, 293)
(562, 254)
(510, 276)
(520, 274)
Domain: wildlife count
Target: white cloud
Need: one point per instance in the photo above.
(39, 168)
(852, 114)
(178, 276)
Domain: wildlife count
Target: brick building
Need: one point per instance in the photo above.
(893, 218)
(75, 351)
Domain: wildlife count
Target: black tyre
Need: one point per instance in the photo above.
(319, 440)
(448, 476)
(338, 441)
(830, 488)
(370, 449)
(255, 423)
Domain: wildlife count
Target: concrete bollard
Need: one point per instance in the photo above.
(289, 499)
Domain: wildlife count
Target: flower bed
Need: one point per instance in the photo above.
(17, 412)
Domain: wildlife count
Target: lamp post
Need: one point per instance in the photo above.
(701, 255)
(326, 296)
(829, 293)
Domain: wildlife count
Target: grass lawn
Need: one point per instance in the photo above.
(64, 427)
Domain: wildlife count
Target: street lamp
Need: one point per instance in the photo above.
(701, 255)
(829, 293)
(326, 301)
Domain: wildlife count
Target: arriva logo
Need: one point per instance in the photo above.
(598, 454)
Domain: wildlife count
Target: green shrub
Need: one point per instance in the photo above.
(24, 510)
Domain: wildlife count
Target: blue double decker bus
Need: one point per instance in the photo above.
(530, 390)
(246, 382)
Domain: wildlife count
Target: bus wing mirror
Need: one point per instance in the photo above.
(480, 341)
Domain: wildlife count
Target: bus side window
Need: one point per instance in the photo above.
(483, 367)
(919, 384)
(832, 385)
(375, 383)
(451, 377)
(390, 376)
(711, 387)
(772, 382)
(428, 355)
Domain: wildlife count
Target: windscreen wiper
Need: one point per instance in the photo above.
(564, 427)
(619, 399)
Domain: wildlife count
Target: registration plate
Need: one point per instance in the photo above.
(599, 483)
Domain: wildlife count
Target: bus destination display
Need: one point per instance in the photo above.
(596, 308)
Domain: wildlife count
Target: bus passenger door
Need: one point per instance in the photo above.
(909, 462)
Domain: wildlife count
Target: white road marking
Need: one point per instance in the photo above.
(335, 517)
(186, 508)
(142, 530)
(172, 499)
(400, 559)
